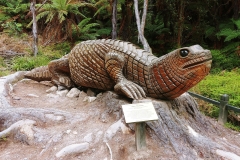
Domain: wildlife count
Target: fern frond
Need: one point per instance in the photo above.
(49, 17)
(83, 22)
(88, 36)
(232, 47)
(60, 4)
(88, 27)
(226, 24)
(100, 9)
(104, 31)
(235, 34)
(229, 34)
(237, 23)
(3, 17)
(45, 7)
(101, 2)
(61, 16)
(84, 4)
(39, 16)
(42, 14)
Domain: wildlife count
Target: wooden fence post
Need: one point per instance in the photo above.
(223, 110)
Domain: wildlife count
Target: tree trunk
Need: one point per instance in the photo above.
(180, 22)
(141, 25)
(34, 28)
(125, 29)
(236, 9)
(114, 19)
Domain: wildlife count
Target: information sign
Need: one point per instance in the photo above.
(139, 112)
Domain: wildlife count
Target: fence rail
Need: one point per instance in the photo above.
(222, 104)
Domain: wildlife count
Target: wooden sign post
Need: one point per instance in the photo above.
(139, 113)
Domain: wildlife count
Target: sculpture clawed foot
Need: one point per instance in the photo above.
(130, 89)
(63, 82)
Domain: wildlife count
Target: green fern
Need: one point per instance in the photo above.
(104, 5)
(61, 13)
(231, 33)
(16, 9)
(3, 17)
(104, 31)
(86, 30)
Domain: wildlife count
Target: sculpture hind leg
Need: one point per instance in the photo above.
(114, 65)
(60, 72)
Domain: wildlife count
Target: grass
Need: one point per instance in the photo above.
(22, 44)
(213, 86)
(3, 68)
(232, 126)
(29, 62)
(45, 55)
(225, 82)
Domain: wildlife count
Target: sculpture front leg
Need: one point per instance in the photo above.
(114, 63)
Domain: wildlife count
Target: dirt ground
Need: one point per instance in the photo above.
(87, 119)
(62, 121)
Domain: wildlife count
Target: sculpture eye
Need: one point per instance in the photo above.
(184, 52)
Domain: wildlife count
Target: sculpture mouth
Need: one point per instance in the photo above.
(198, 63)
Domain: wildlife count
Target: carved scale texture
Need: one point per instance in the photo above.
(163, 77)
(172, 75)
(87, 63)
(103, 63)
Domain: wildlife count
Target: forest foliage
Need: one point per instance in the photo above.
(213, 24)
(170, 24)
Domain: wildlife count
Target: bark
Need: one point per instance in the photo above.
(236, 9)
(125, 29)
(141, 24)
(34, 28)
(114, 19)
(180, 22)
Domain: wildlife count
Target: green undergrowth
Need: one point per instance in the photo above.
(28, 62)
(213, 86)
(232, 126)
(224, 61)
(225, 82)
(3, 68)
(44, 56)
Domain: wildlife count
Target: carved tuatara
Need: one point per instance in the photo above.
(129, 70)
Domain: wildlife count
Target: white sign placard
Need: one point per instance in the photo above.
(139, 112)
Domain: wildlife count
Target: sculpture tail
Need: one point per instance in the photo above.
(39, 74)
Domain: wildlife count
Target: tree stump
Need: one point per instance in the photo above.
(181, 132)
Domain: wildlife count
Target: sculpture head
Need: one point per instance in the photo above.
(194, 61)
(184, 68)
